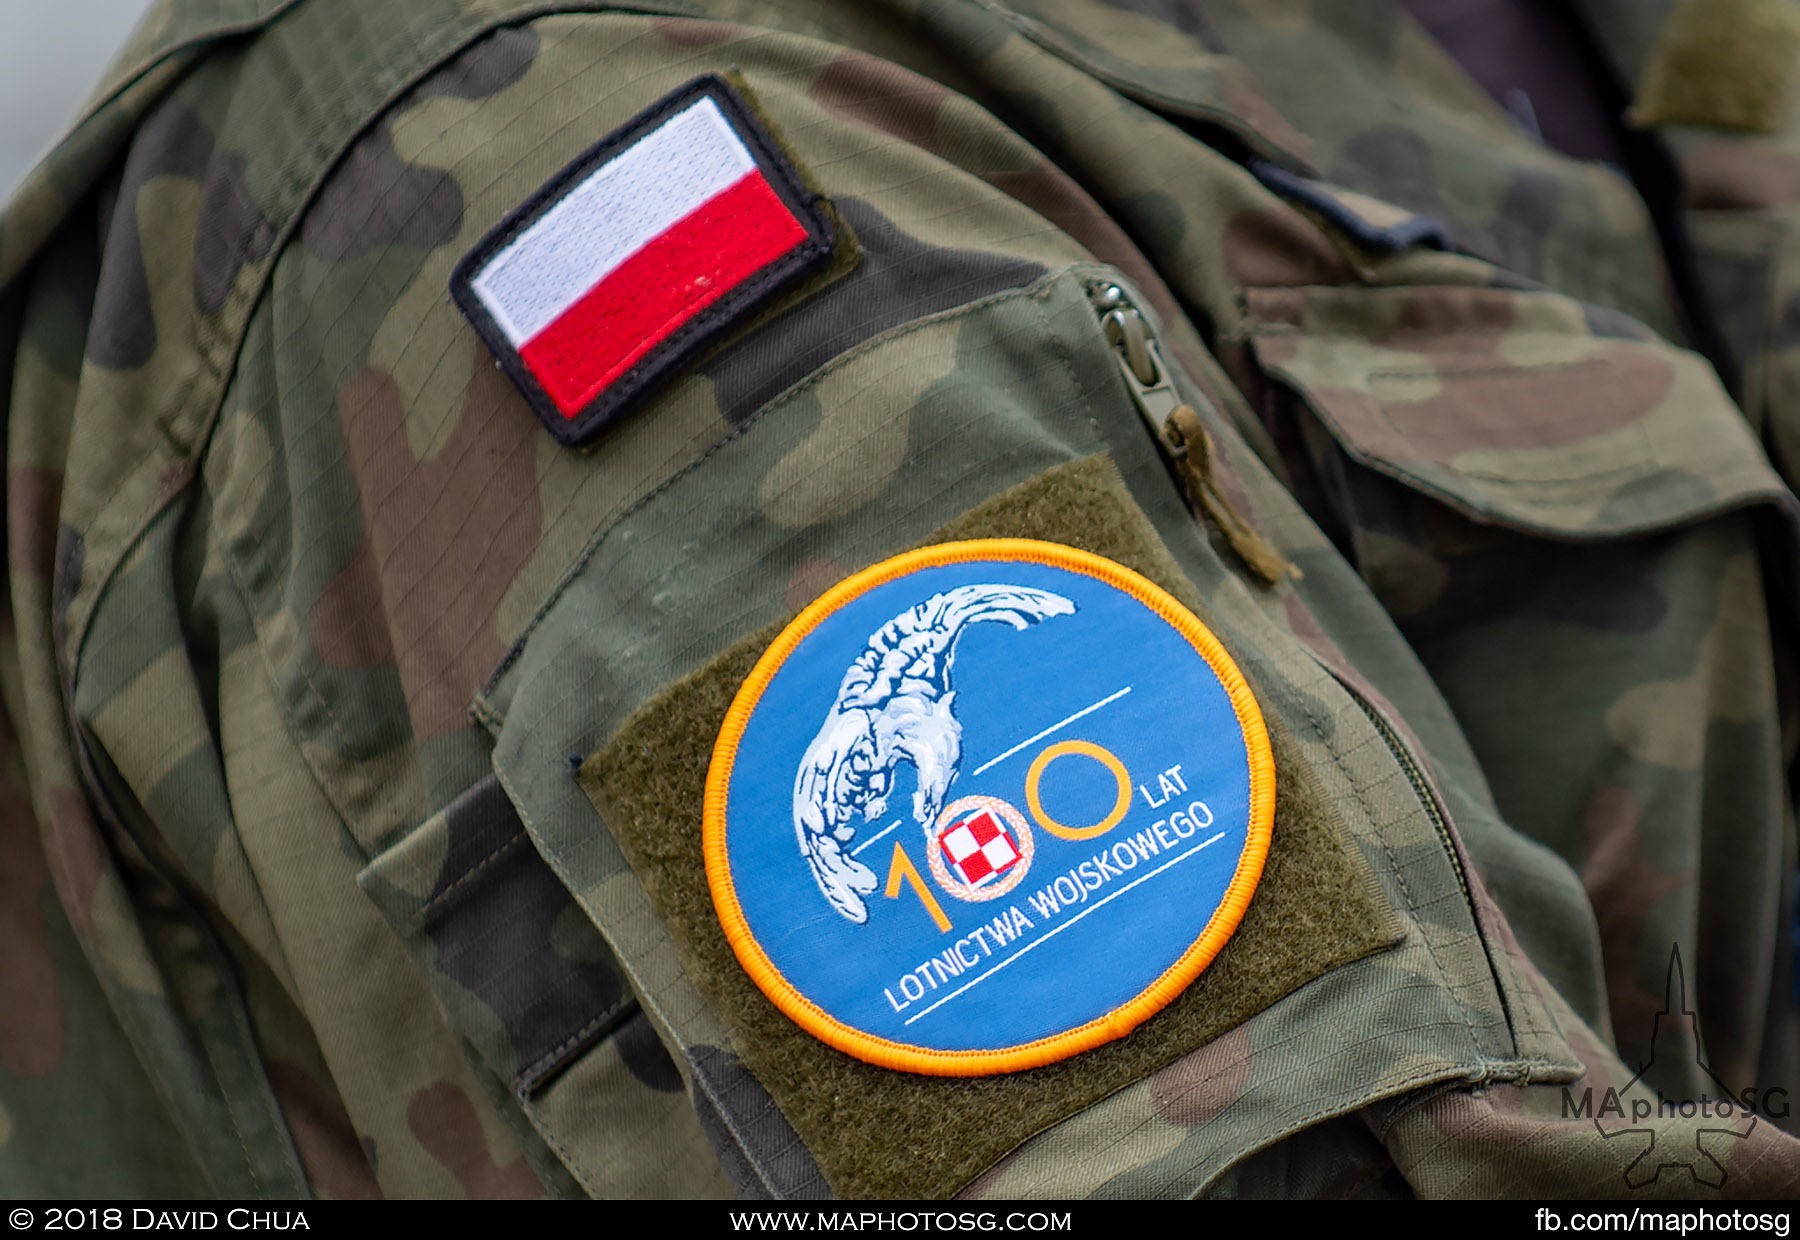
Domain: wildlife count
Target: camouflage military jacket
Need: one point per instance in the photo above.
(358, 730)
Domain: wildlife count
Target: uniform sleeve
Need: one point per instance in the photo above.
(386, 715)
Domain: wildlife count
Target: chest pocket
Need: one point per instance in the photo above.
(1571, 523)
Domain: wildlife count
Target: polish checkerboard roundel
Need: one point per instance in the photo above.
(986, 805)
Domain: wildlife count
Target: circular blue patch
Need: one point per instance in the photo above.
(986, 805)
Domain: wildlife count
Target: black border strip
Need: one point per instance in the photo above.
(660, 364)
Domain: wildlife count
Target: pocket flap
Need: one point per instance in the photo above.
(1527, 410)
(525, 978)
(494, 920)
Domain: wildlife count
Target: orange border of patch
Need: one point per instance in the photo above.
(1102, 1029)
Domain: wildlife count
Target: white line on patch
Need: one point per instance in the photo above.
(892, 826)
(1098, 904)
(1063, 723)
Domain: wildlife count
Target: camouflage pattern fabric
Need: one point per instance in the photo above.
(308, 618)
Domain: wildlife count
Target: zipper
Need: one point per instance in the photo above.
(1186, 442)
(1415, 775)
(1427, 794)
(1177, 428)
(1150, 381)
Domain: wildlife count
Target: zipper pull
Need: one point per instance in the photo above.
(1139, 355)
(1179, 430)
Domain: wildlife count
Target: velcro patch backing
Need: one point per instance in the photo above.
(876, 1132)
(639, 255)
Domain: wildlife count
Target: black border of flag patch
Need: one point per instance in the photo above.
(823, 237)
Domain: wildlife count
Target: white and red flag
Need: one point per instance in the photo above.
(638, 254)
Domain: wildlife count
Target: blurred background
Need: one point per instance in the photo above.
(51, 54)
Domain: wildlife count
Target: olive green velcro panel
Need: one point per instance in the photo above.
(876, 1132)
(1724, 63)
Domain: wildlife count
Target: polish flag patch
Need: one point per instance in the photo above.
(639, 255)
